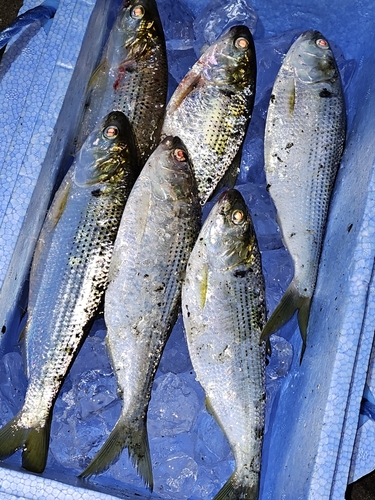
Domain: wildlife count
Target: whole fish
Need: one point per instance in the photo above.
(132, 76)
(158, 229)
(211, 108)
(303, 145)
(223, 306)
(68, 278)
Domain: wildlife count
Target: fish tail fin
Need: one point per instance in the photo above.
(34, 455)
(124, 435)
(303, 319)
(234, 490)
(288, 305)
(34, 440)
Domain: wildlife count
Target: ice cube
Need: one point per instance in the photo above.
(177, 21)
(217, 17)
(176, 357)
(174, 405)
(176, 477)
(212, 446)
(12, 385)
(281, 357)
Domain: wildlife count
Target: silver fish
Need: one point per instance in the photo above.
(212, 106)
(68, 278)
(223, 307)
(132, 76)
(158, 229)
(303, 145)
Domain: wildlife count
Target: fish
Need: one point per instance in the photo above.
(68, 278)
(131, 77)
(160, 224)
(224, 312)
(211, 109)
(303, 145)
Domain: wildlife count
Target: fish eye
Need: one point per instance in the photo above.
(241, 43)
(321, 43)
(138, 12)
(179, 154)
(111, 132)
(238, 216)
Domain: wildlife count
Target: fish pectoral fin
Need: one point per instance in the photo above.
(234, 489)
(203, 286)
(35, 441)
(208, 406)
(124, 435)
(96, 74)
(288, 305)
(187, 85)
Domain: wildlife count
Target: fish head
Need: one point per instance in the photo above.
(230, 230)
(137, 26)
(105, 151)
(171, 171)
(231, 59)
(312, 58)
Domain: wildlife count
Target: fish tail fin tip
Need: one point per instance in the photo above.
(124, 436)
(12, 438)
(303, 319)
(291, 301)
(34, 442)
(232, 490)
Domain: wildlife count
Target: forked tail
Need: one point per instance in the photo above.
(288, 305)
(126, 434)
(234, 490)
(33, 440)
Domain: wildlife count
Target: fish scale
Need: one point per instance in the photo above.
(303, 145)
(68, 278)
(223, 306)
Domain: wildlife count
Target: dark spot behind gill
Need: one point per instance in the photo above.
(325, 93)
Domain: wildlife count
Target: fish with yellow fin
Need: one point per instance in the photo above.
(303, 145)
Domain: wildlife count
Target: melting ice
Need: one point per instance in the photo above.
(191, 458)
